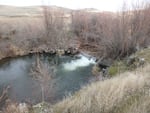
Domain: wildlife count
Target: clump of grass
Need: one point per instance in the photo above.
(145, 53)
(127, 93)
(117, 68)
(13, 107)
(121, 66)
(113, 70)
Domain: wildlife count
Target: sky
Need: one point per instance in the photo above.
(104, 5)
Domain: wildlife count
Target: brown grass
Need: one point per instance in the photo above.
(13, 107)
(30, 33)
(128, 93)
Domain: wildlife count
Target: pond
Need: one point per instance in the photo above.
(72, 72)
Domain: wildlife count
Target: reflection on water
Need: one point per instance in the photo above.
(71, 74)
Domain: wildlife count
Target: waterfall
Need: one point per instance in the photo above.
(83, 61)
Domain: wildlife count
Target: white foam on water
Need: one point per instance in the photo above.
(82, 62)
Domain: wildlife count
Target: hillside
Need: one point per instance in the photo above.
(13, 11)
(127, 93)
(117, 43)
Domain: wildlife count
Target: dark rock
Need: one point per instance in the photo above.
(135, 61)
(131, 60)
(71, 51)
(67, 52)
(104, 72)
(52, 52)
(101, 67)
(103, 64)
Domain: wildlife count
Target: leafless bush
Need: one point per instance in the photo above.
(114, 35)
(22, 32)
(4, 97)
(55, 31)
(45, 76)
(84, 25)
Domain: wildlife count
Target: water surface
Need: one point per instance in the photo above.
(71, 74)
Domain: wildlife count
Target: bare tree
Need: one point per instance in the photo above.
(55, 31)
(45, 76)
(114, 35)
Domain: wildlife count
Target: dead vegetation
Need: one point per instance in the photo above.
(7, 106)
(127, 93)
(33, 33)
(103, 33)
(56, 33)
(113, 35)
(4, 97)
(44, 75)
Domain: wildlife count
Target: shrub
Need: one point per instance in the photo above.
(113, 70)
(115, 35)
(45, 76)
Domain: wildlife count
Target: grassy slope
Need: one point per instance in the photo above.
(13, 11)
(122, 66)
(127, 93)
(145, 53)
(19, 11)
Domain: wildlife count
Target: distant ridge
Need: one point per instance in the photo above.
(11, 11)
(21, 11)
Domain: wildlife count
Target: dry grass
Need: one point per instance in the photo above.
(29, 33)
(127, 93)
(11, 108)
(23, 33)
(16, 108)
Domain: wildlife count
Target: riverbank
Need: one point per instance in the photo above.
(125, 93)
(14, 51)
